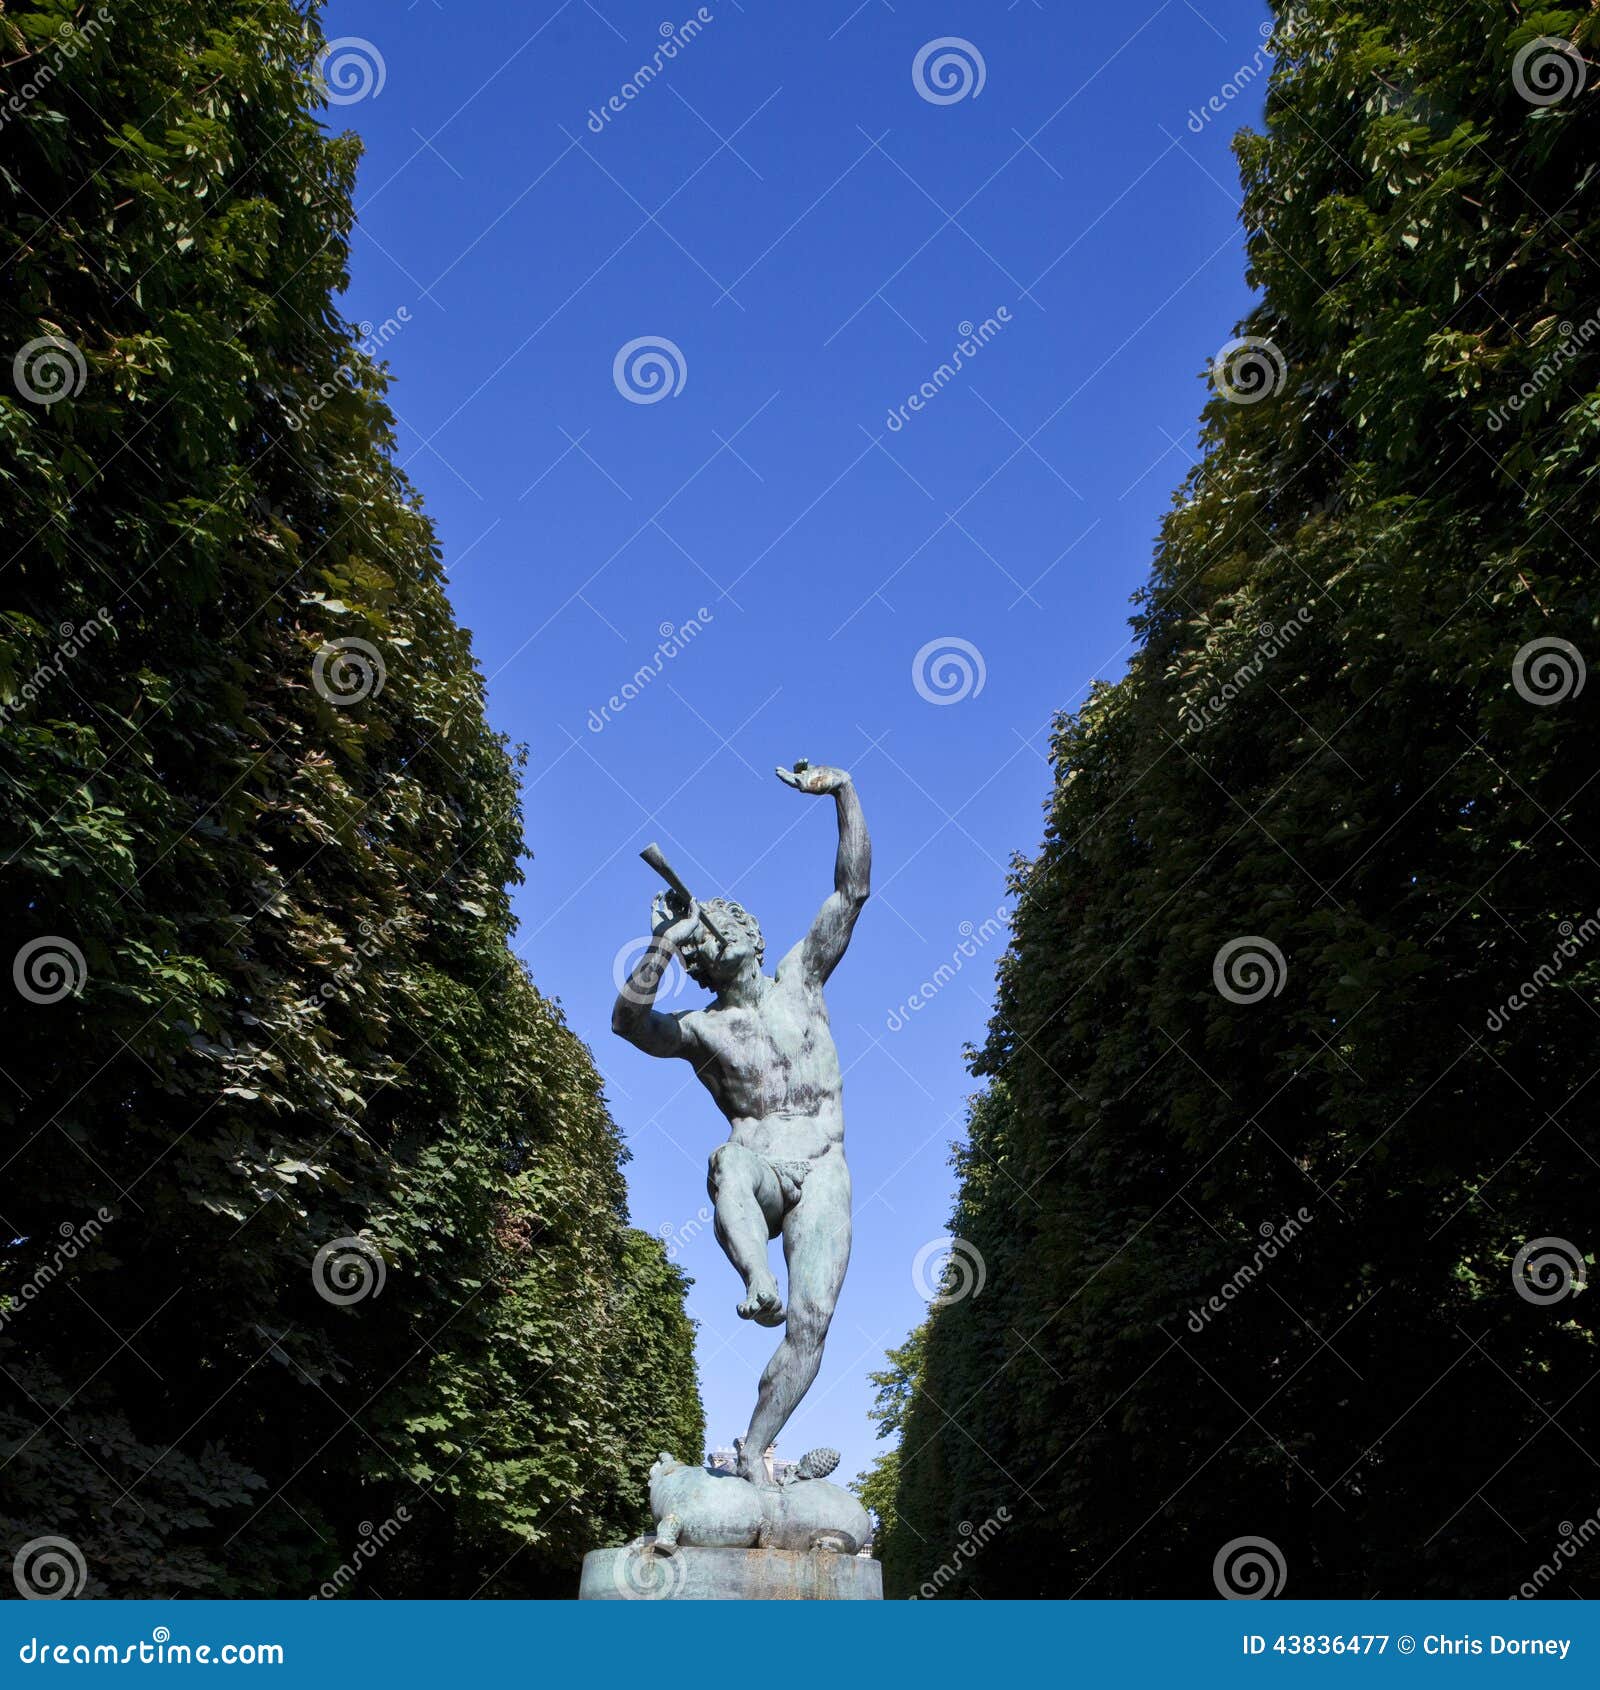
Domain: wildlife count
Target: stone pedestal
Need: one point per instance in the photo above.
(641, 1573)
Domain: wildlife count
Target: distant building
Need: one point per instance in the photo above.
(726, 1463)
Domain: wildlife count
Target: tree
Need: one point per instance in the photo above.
(896, 1385)
(1288, 1175)
(314, 1209)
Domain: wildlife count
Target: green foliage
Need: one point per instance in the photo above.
(896, 1388)
(1376, 798)
(651, 1346)
(299, 1019)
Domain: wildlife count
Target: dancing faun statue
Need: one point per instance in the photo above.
(763, 1049)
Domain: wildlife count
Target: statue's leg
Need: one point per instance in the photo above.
(816, 1245)
(748, 1208)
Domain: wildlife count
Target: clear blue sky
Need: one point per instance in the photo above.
(783, 205)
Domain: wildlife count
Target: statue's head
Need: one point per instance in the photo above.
(714, 963)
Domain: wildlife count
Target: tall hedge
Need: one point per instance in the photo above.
(1355, 745)
(311, 1211)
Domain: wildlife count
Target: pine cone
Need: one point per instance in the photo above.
(816, 1464)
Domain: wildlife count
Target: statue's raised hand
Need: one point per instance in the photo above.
(672, 920)
(815, 778)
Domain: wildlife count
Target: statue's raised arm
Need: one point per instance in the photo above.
(675, 928)
(819, 952)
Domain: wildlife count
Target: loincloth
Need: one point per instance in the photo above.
(790, 1175)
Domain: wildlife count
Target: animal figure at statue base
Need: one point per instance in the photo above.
(696, 1509)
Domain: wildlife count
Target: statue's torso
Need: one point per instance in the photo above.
(774, 1071)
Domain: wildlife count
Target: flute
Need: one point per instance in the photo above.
(652, 855)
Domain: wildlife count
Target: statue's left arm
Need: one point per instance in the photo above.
(825, 944)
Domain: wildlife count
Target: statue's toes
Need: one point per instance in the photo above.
(765, 1308)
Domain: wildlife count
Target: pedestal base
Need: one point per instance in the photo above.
(728, 1575)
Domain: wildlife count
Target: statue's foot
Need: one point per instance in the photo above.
(756, 1472)
(763, 1305)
